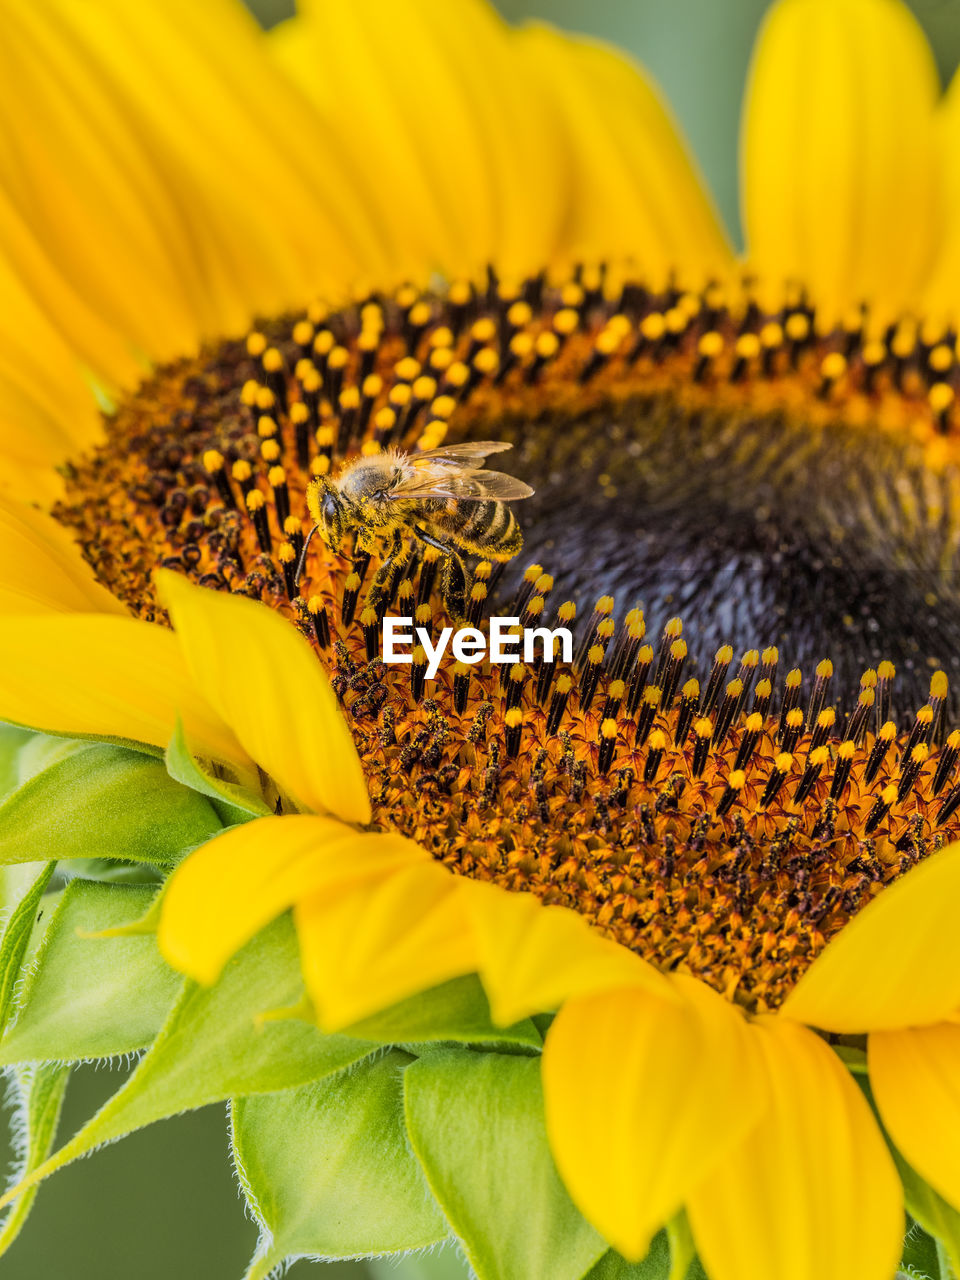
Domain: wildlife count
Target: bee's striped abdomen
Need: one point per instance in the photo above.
(487, 528)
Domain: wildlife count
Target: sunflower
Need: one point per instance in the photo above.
(688, 906)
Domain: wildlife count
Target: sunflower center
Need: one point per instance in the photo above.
(751, 528)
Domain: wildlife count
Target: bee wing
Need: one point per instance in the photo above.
(470, 455)
(461, 483)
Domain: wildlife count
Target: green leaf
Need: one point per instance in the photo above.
(454, 1011)
(475, 1121)
(104, 802)
(233, 803)
(91, 997)
(38, 1090)
(214, 1047)
(327, 1171)
(15, 938)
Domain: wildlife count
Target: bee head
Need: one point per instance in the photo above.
(327, 510)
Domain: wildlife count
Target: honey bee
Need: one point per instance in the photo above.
(442, 497)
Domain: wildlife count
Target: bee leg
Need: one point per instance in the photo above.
(453, 583)
(381, 584)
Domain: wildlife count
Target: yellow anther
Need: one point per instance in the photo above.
(520, 314)
(483, 330)
(940, 396)
(940, 358)
(566, 321)
(653, 326)
(710, 345)
(833, 366)
(797, 327)
(547, 345)
(419, 314)
(424, 387)
(256, 344)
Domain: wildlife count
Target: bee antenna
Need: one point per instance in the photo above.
(301, 563)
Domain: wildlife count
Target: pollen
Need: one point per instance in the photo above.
(748, 523)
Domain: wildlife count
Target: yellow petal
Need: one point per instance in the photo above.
(106, 677)
(840, 181)
(269, 190)
(89, 189)
(364, 951)
(811, 1193)
(226, 891)
(643, 1098)
(638, 195)
(464, 159)
(531, 957)
(265, 682)
(46, 408)
(896, 964)
(41, 569)
(942, 296)
(915, 1076)
(99, 346)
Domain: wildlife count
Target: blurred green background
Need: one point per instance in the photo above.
(163, 1203)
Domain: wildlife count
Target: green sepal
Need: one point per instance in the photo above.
(233, 803)
(327, 1171)
(92, 739)
(934, 1214)
(15, 938)
(852, 1057)
(104, 802)
(445, 1263)
(476, 1124)
(87, 997)
(455, 1011)
(211, 1047)
(657, 1265)
(921, 1256)
(12, 741)
(38, 1090)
